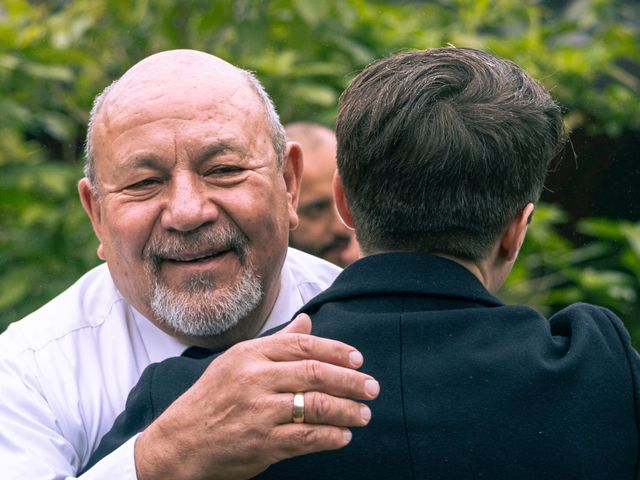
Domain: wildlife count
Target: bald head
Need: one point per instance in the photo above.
(184, 69)
(167, 82)
(311, 135)
(319, 146)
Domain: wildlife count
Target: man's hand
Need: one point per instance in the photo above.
(236, 420)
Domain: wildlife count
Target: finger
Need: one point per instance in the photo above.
(300, 324)
(311, 375)
(294, 346)
(296, 439)
(320, 408)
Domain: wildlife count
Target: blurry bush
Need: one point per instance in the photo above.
(56, 55)
(605, 270)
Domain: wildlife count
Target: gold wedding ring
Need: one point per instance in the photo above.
(298, 408)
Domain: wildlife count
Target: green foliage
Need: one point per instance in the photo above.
(55, 56)
(44, 238)
(605, 270)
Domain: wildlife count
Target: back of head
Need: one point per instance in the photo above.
(439, 149)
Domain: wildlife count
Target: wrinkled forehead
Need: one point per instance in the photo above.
(179, 85)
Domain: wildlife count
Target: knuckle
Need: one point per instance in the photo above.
(321, 405)
(249, 375)
(253, 444)
(307, 438)
(255, 407)
(238, 353)
(314, 371)
(251, 348)
(238, 348)
(304, 344)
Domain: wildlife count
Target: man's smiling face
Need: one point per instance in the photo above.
(192, 210)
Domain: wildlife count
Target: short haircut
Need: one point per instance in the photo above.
(439, 149)
(276, 130)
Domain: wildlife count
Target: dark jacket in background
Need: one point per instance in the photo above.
(470, 388)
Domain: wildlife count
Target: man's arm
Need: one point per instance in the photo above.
(235, 420)
(139, 411)
(31, 442)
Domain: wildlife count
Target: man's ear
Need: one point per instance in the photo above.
(292, 166)
(92, 207)
(514, 234)
(344, 212)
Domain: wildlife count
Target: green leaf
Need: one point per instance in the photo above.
(315, 93)
(312, 12)
(14, 287)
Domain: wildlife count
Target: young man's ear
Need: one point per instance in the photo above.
(91, 205)
(344, 212)
(514, 234)
(292, 166)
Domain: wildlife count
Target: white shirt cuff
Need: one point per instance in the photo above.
(118, 464)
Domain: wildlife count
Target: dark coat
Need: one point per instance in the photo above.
(470, 388)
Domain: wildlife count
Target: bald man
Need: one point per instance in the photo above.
(320, 231)
(191, 189)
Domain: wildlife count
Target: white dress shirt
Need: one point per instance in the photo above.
(66, 371)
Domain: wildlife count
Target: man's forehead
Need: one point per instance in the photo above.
(178, 74)
(189, 66)
(180, 84)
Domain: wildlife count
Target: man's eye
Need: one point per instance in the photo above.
(147, 182)
(315, 210)
(224, 170)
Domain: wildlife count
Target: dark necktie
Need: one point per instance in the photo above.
(196, 352)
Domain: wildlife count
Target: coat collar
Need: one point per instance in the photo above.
(404, 273)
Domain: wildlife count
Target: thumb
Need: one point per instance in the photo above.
(300, 324)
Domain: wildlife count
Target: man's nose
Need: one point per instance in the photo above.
(188, 204)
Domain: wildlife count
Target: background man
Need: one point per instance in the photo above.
(320, 231)
(442, 155)
(191, 189)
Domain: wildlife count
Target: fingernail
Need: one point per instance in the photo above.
(371, 387)
(356, 358)
(346, 435)
(365, 413)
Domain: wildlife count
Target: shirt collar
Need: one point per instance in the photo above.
(159, 344)
(287, 303)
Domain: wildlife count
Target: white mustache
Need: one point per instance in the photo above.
(201, 242)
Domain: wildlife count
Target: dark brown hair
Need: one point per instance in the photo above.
(439, 149)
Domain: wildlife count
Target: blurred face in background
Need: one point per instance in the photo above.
(320, 231)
